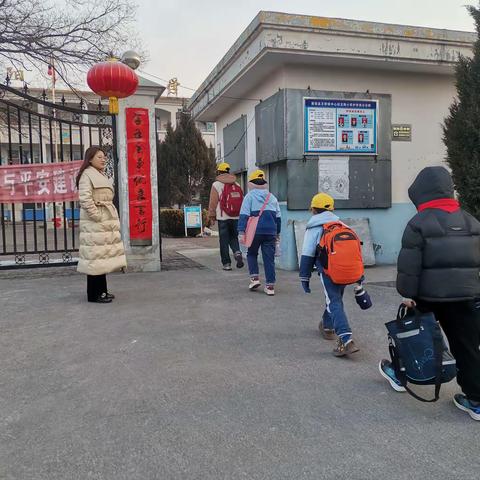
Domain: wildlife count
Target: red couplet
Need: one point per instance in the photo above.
(139, 182)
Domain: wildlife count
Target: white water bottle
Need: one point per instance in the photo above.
(278, 250)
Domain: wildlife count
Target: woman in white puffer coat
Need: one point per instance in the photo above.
(101, 246)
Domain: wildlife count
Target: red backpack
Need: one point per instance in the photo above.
(231, 199)
(341, 253)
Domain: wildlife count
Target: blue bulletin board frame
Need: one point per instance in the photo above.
(335, 110)
(192, 209)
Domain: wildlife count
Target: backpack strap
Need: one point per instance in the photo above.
(264, 206)
(220, 195)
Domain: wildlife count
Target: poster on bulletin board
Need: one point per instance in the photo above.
(340, 126)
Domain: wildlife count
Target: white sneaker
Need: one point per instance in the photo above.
(270, 291)
(254, 284)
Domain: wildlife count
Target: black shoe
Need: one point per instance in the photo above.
(111, 296)
(102, 299)
(239, 259)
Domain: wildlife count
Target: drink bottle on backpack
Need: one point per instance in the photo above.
(226, 198)
(336, 251)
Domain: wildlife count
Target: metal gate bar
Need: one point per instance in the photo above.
(34, 130)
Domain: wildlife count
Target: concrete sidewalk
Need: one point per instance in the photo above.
(190, 376)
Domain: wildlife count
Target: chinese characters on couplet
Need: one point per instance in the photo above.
(139, 183)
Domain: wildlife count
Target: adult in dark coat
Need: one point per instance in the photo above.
(438, 271)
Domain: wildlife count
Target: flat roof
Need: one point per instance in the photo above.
(362, 26)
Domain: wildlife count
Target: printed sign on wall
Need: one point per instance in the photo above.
(139, 183)
(340, 126)
(334, 177)
(402, 132)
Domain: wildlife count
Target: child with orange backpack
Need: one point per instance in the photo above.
(335, 250)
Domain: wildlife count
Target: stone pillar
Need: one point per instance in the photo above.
(146, 257)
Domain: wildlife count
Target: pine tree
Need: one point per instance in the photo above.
(208, 177)
(166, 169)
(461, 130)
(186, 166)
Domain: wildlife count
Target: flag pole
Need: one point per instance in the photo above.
(54, 110)
(54, 114)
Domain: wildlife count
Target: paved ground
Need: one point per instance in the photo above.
(189, 376)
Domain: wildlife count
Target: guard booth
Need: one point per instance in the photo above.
(349, 107)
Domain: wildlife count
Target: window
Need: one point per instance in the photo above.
(163, 118)
(201, 126)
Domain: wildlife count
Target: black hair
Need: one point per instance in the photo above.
(89, 154)
(317, 211)
(259, 181)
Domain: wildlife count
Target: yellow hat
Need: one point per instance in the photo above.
(323, 201)
(223, 167)
(256, 175)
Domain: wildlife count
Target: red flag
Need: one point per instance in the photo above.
(51, 71)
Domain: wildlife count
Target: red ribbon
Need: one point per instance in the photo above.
(449, 205)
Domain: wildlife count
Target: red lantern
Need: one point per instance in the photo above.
(114, 80)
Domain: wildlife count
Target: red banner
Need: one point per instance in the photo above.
(139, 183)
(39, 182)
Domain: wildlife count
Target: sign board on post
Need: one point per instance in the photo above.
(193, 217)
(334, 126)
(139, 182)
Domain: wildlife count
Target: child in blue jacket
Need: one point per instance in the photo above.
(267, 233)
(334, 322)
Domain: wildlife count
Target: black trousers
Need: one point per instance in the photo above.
(461, 323)
(96, 285)
(228, 236)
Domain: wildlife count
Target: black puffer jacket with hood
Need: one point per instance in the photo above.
(440, 256)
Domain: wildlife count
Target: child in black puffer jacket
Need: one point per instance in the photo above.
(438, 271)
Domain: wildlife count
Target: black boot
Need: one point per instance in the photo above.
(102, 299)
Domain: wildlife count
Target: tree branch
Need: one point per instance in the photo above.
(32, 32)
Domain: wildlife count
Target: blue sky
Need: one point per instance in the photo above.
(187, 38)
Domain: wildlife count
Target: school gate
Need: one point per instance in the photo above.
(35, 131)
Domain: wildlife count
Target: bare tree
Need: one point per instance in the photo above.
(72, 33)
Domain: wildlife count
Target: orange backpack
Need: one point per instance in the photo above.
(341, 253)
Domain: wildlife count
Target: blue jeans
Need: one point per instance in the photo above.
(267, 244)
(334, 316)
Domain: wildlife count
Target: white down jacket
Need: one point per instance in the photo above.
(101, 246)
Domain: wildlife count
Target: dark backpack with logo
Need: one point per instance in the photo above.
(231, 199)
(418, 351)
